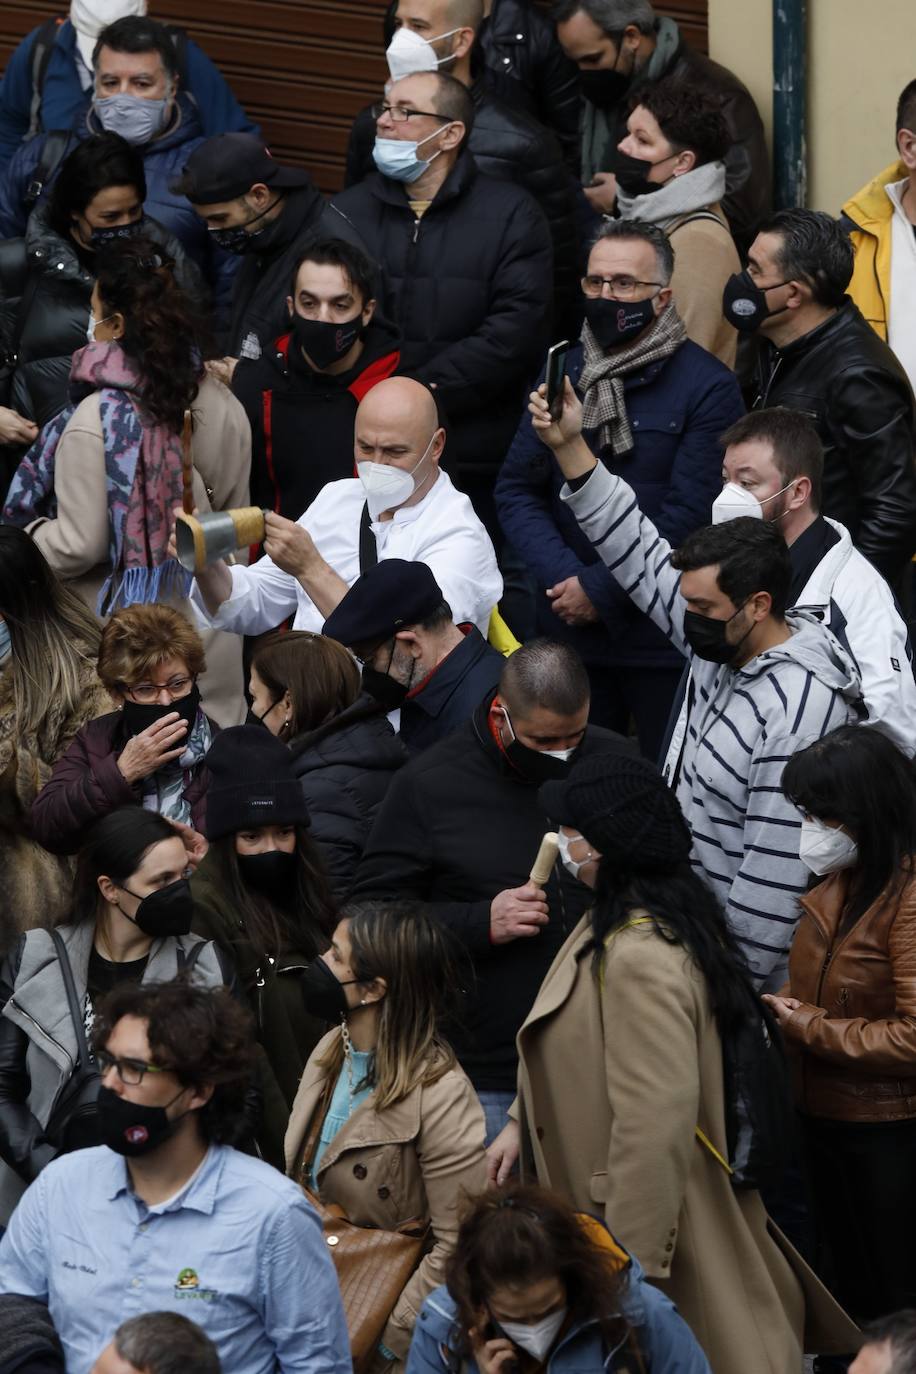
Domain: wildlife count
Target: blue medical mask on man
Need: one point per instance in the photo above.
(398, 158)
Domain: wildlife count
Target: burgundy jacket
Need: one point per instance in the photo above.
(86, 783)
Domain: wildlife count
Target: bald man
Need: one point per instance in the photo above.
(401, 505)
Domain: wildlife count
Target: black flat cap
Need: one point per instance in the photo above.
(387, 598)
(228, 165)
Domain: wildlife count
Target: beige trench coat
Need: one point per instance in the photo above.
(614, 1078)
(76, 542)
(419, 1158)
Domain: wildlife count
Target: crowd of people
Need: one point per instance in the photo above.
(461, 917)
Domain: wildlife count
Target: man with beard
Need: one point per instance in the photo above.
(460, 828)
(773, 469)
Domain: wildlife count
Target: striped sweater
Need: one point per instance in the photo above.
(742, 726)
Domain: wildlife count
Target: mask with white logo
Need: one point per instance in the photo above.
(825, 849)
(568, 862)
(388, 487)
(535, 1338)
(734, 501)
(408, 53)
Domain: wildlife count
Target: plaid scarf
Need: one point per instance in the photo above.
(142, 476)
(601, 379)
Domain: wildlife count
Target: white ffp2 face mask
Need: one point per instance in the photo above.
(387, 487)
(566, 859)
(733, 501)
(535, 1338)
(825, 849)
(408, 53)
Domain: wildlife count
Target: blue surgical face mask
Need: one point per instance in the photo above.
(135, 118)
(397, 157)
(6, 645)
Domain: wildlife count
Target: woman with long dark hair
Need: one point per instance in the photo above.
(532, 1284)
(386, 1123)
(262, 892)
(130, 919)
(46, 277)
(640, 1000)
(48, 691)
(305, 689)
(98, 489)
(848, 1014)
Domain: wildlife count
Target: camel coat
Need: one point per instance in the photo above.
(614, 1078)
(418, 1158)
(76, 542)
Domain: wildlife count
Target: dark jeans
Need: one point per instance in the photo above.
(862, 1177)
(644, 696)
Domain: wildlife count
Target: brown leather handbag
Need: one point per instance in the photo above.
(373, 1265)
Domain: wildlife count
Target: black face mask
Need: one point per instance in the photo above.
(325, 342)
(707, 637)
(102, 238)
(632, 173)
(273, 874)
(384, 689)
(744, 303)
(323, 993)
(605, 88)
(131, 1129)
(167, 911)
(137, 718)
(535, 766)
(236, 239)
(614, 322)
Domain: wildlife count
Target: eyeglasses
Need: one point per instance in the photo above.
(622, 288)
(365, 658)
(148, 693)
(130, 1071)
(401, 113)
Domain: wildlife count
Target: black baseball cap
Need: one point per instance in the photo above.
(228, 165)
(385, 599)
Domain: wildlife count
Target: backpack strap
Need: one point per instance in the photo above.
(188, 962)
(705, 1140)
(52, 155)
(42, 47)
(76, 1012)
(368, 548)
(690, 219)
(179, 37)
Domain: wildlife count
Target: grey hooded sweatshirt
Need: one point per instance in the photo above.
(740, 729)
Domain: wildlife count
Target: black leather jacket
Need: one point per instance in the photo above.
(521, 61)
(508, 146)
(852, 386)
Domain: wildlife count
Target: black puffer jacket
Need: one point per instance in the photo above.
(345, 768)
(467, 286)
(45, 278)
(851, 385)
(521, 61)
(262, 284)
(509, 146)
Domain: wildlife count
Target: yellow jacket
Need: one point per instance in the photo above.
(871, 212)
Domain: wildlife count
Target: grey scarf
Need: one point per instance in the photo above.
(696, 190)
(601, 379)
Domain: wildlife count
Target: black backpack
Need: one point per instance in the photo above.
(43, 46)
(759, 1119)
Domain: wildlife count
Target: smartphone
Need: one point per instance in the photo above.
(493, 1331)
(554, 377)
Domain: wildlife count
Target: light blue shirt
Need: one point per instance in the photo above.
(239, 1251)
(344, 1101)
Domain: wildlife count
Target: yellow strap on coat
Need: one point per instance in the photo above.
(636, 921)
(500, 636)
(705, 1140)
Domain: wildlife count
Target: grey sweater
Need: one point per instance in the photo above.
(742, 726)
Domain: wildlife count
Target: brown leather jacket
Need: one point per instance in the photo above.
(855, 1034)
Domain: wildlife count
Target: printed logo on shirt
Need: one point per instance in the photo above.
(895, 664)
(187, 1285)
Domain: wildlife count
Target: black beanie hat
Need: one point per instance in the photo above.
(252, 783)
(624, 808)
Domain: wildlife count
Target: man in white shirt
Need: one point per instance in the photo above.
(401, 505)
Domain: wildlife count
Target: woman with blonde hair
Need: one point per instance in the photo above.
(48, 691)
(306, 690)
(385, 1122)
(151, 749)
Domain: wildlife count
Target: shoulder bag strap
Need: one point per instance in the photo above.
(187, 962)
(368, 548)
(76, 1012)
(52, 155)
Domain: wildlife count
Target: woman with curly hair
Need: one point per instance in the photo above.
(98, 487)
(532, 1284)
